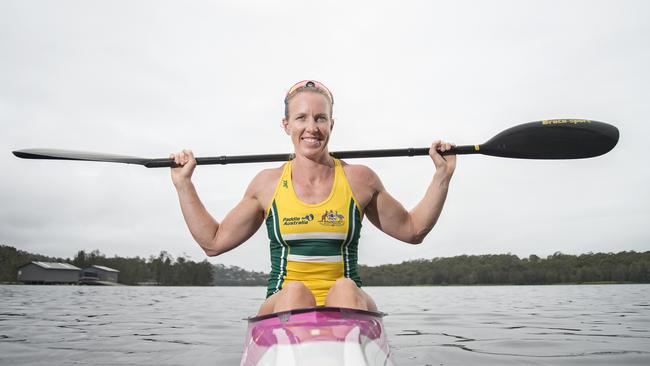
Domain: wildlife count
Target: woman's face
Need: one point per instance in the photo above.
(309, 123)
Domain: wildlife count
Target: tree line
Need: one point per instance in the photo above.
(497, 269)
(508, 269)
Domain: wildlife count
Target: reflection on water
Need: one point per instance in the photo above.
(498, 325)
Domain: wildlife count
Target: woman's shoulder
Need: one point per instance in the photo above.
(267, 177)
(263, 186)
(363, 182)
(357, 170)
(359, 174)
(265, 181)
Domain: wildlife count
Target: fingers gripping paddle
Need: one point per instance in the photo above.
(549, 139)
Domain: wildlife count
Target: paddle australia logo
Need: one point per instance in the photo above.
(332, 218)
(564, 121)
(297, 220)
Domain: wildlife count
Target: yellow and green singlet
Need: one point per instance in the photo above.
(315, 244)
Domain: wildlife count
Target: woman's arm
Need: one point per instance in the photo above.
(238, 225)
(391, 217)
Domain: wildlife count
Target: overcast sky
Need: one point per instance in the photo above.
(147, 78)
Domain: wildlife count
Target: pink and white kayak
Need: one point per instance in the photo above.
(317, 336)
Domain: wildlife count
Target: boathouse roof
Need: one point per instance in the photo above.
(55, 265)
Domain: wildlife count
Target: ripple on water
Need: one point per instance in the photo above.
(496, 325)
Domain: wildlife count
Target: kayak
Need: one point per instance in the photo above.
(317, 336)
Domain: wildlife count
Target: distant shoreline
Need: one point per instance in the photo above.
(464, 270)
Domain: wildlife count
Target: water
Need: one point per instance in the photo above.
(496, 325)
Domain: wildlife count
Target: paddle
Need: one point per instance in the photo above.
(549, 139)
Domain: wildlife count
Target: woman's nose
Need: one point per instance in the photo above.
(311, 123)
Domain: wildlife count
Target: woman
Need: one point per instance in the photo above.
(312, 207)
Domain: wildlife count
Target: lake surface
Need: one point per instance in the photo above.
(478, 325)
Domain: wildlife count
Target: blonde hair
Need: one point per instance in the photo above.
(310, 87)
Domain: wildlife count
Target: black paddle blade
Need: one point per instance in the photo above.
(56, 154)
(553, 139)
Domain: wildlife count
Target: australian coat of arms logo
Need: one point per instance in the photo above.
(332, 218)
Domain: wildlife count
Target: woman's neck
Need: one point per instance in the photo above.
(310, 169)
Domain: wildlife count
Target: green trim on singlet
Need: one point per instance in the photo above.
(279, 252)
(349, 248)
(315, 247)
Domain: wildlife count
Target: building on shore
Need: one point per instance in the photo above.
(98, 275)
(48, 273)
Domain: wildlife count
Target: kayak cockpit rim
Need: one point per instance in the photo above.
(318, 309)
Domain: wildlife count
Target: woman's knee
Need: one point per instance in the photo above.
(345, 285)
(296, 288)
(345, 293)
(294, 295)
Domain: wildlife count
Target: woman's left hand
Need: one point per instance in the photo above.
(444, 164)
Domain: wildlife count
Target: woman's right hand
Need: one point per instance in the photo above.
(182, 173)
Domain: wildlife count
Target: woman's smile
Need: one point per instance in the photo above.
(311, 141)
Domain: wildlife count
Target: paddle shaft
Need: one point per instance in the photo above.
(240, 159)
